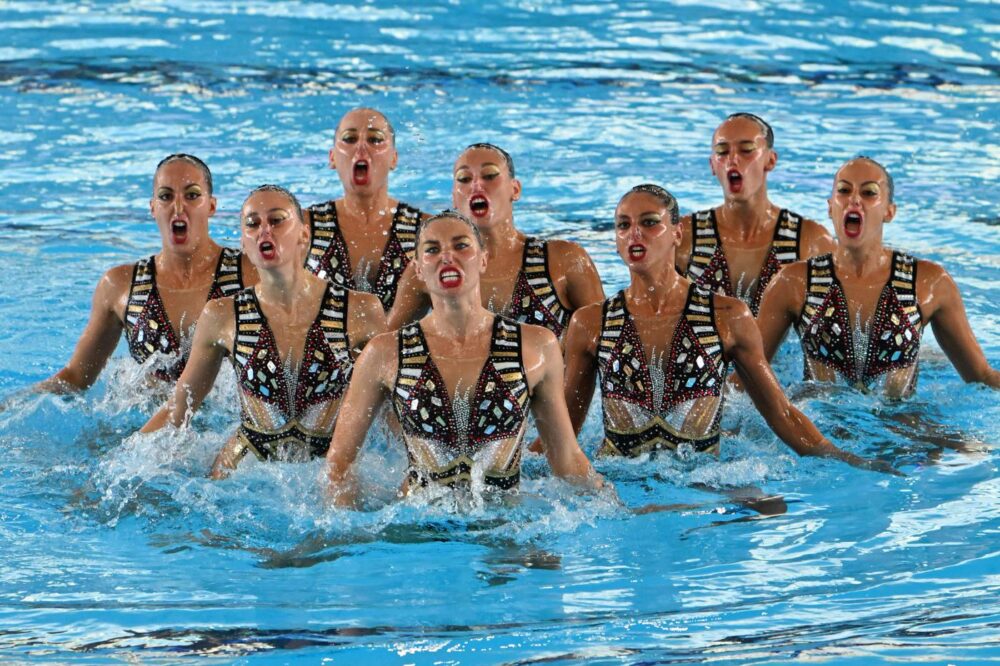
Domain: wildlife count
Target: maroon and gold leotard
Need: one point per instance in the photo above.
(454, 441)
(328, 257)
(534, 299)
(708, 266)
(675, 399)
(289, 414)
(147, 327)
(831, 340)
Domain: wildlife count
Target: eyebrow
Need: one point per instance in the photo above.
(485, 164)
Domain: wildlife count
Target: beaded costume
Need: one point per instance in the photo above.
(708, 266)
(287, 414)
(534, 299)
(676, 399)
(328, 257)
(893, 338)
(453, 441)
(147, 327)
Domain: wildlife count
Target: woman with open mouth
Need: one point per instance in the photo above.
(291, 339)
(738, 247)
(157, 301)
(860, 310)
(364, 240)
(528, 279)
(660, 350)
(461, 382)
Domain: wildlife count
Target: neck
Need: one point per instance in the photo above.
(657, 290)
(369, 206)
(185, 267)
(280, 286)
(459, 317)
(501, 238)
(748, 217)
(861, 260)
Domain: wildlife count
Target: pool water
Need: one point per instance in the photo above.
(116, 548)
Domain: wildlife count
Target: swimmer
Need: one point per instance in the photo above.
(156, 301)
(527, 279)
(660, 350)
(860, 310)
(291, 340)
(736, 248)
(461, 381)
(364, 240)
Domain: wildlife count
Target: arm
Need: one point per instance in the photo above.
(742, 343)
(780, 306)
(366, 320)
(213, 338)
(575, 275)
(943, 306)
(99, 338)
(366, 393)
(411, 302)
(545, 377)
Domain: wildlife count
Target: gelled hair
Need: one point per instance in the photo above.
(388, 124)
(508, 160)
(455, 215)
(665, 197)
(888, 177)
(764, 127)
(268, 187)
(190, 159)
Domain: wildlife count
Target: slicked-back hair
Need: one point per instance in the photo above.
(764, 126)
(668, 200)
(269, 187)
(455, 215)
(190, 159)
(888, 177)
(388, 123)
(508, 160)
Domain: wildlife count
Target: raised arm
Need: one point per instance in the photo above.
(575, 274)
(365, 395)
(742, 343)
(412, 301)
(780, 306)
(213, 337)
(942, 305)
(544, 365)
(99, 338)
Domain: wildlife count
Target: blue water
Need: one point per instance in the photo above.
(116, 548)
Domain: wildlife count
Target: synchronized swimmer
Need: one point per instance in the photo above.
(318, 314)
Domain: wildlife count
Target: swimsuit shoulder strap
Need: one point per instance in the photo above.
(413, 355)
(143, 282)
(699, 312)
(249, 323)
(228, 277)
(904, 282)
(705, 242)
(819, 282)
(333, 319)
(613, 316)
(787, 237)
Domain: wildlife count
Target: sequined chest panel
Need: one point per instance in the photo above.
(328, 257)
(534, 299)
(326, 362)
(147, 327)
(708, 266)
(655, 395)
(830, 337)
(446, 438)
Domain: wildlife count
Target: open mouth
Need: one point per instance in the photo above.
(360, 172)
(735, 179)
(852, 224)
(479, 206)
(267, 250)
(636, 252)
(450, 277)
(179, 230)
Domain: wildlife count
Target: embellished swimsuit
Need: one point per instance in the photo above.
(832, 340)
(676, 399)
(708, 266)
(534, 299)
(147, 327)
(287, 414)
(328, 257)
(452, 441)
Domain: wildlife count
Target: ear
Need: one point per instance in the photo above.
(213, 204)
(711, 165)
(517, 190)
(890, 213)
(772, 159)
(330, 160)
(829, 208)
(152, 201)
(395, 160)
(678, 234)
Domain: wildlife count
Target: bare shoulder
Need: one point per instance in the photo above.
(816, 239)
(567, 255)
(588, 317)
(362, 301)
(795, 272)
(114, 287)
(537, 337)
(250, 275)
(732, 313)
